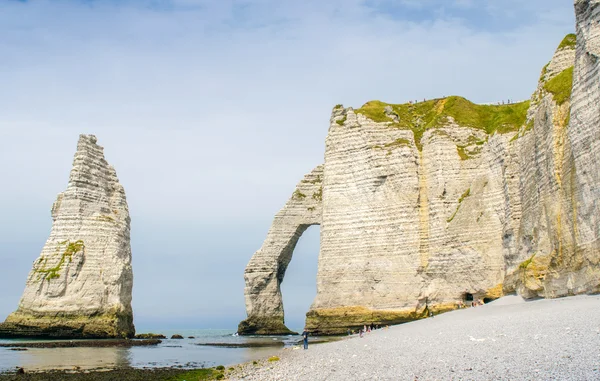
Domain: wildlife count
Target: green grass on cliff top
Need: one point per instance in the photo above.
(561, 86)
(569, 41)
(419, 117)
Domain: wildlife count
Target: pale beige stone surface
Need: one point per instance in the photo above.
(80, 285)
(267, 267)
(408, 229)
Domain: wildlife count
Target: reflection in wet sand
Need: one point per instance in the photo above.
(71, 358)
(185, 353)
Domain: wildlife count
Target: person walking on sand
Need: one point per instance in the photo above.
(305, 338)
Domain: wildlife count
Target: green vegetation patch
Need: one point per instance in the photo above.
(297, 195)
(422, 116)
(317, 179)
(461, 152)
(70, 249)
(526, 263)
(318, 195)
(570, 41)
(397, 143)
(341, 121)
(105, 218)
(274, 358)
(544, 71)
(471, 141)
(199, 375)
(560, 86)
(460, 200)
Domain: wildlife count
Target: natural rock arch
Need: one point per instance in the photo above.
(266, 269)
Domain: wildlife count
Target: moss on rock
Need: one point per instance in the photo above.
(298, 196)
(466, 194)
(422, 116)
(561, 86)
(336, 321)
(570, 41)
(71, 248)
(264, 326)
(113, 323)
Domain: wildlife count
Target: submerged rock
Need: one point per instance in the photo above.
(150, 336)
(424, 206)
(80, 286)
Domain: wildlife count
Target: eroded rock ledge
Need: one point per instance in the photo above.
(429, 204)
(80, 286)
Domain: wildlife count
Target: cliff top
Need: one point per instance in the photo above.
(556, 78)
(569, 41)
(422, 116)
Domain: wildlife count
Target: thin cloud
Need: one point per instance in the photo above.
(211, 111)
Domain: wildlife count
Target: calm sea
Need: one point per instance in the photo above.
(170, 353)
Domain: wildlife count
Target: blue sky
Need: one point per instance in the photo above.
(212, 111)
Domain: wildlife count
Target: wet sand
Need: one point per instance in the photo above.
(81, 344)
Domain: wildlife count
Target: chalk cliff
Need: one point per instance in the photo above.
(80, 286)
(428, 204)
(266, 269)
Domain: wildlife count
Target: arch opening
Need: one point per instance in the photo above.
(299, 289)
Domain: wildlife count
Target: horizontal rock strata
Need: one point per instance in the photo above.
(267, 267)
(431, 204)
(80, 285)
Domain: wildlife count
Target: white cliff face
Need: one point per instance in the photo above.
(267, 267)
(584, 142)
(80, 285)
(540, 150)
(405, 231)
(430, 204)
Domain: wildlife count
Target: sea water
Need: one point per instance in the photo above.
(170, 353)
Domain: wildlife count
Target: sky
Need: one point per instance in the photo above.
(212, 110)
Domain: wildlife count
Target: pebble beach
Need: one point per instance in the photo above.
(508, 339)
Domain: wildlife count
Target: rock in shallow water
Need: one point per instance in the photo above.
(80, 286)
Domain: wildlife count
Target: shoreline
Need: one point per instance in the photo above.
(107, 343)
(130, 373)
(506, 339)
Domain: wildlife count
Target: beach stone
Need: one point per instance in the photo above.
(546, 339)
(179, 337)
(80, 285)
(416, 224)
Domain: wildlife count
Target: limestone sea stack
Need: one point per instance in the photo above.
(426, 205)
(80, 285)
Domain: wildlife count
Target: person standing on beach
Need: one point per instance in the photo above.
(305, 338)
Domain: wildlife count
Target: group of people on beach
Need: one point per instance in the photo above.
(366, 329)
(372, 327)
(474, 303)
